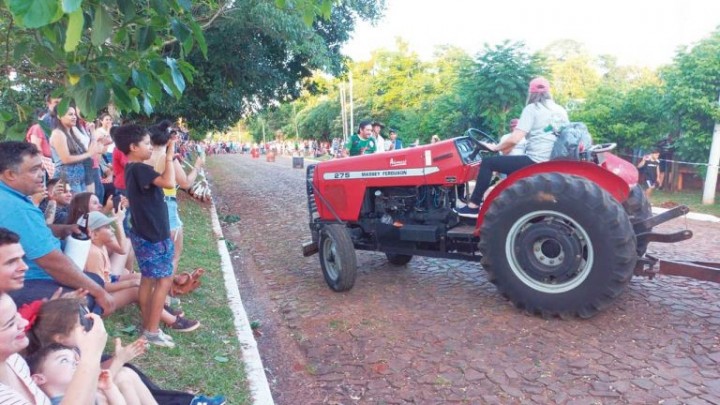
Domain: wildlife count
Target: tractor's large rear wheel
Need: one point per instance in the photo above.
(337, 257)
(558, 245)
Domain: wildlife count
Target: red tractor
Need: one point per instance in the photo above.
(560, 238)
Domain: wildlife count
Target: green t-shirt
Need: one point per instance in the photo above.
(359, 146)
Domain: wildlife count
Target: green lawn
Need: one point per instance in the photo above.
(207, 360)
(691, 198)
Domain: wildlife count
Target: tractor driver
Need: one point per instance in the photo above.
(537, 122)
(363, 142)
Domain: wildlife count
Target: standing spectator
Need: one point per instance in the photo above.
(150, 232)
(394, 143)
(377, 128)
(21, 175)
(69, 153)
(667, 151)
(650, 167)
(361, 143)
(38, 137)
(160, 136)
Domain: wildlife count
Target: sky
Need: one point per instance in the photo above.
(637, 32)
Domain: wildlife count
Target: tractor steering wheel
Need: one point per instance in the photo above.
(477, 137)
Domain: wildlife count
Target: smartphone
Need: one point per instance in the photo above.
(116, 201)
(87, 323)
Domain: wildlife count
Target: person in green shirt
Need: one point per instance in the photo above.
(361, 143)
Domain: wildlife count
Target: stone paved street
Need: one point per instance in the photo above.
(437, 332)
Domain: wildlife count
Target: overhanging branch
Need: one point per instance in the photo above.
(220, 11)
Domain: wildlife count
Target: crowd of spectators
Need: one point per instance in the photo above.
(112, 190)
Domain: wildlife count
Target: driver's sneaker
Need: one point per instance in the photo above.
(467, 212)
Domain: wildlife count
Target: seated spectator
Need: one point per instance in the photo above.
(61, 195)
(52, 368)
(52, 326)
(121, 253)
(21, 175)
(12, 266)
(16, 385)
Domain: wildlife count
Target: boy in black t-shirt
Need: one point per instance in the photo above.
(650, 167)
(150, 232)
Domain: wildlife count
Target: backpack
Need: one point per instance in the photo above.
(570, 141)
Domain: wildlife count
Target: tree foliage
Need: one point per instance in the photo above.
(260, 54)
(693, 83)
(494, 88)
(634, 106)
(129, 53)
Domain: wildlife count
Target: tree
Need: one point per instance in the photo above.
(95, 52)
(692, 83)
(495, 87)
(271, 57)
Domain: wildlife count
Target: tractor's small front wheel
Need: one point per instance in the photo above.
(337, 257)
(558, 245)
(397, 259)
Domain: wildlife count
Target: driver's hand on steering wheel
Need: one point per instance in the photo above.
(490, 146)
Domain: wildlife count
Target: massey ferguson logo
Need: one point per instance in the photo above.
(395, 163)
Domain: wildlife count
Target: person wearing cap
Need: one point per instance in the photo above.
(538, 120)
(394, 143)
(377, 128)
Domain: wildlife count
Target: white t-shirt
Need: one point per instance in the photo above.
(10, 396)
(519, 148)
(380, 144)
(539, 120)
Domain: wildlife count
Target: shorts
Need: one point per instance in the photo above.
(155, 259)
(173, 215)
(650, 184)
(74, 175)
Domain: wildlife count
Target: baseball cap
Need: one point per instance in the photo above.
(378, 124)
(539, 85)
(97, 219)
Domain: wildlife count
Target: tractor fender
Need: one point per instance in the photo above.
(615, 185)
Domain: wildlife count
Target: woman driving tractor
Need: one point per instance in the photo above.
(540, 117)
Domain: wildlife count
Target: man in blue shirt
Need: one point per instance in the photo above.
(21, 175)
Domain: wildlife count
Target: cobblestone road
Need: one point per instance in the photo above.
(438, 332)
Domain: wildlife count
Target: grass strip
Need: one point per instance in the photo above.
(691, 198)
(207, 360)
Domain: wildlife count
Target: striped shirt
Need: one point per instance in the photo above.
(9, 396)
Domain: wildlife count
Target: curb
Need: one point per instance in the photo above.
(257, 381)
(691, 215)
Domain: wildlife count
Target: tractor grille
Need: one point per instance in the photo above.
(312, 206)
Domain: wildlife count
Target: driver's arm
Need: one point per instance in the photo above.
(508, 144)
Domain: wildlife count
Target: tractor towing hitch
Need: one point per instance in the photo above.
(650, 266)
